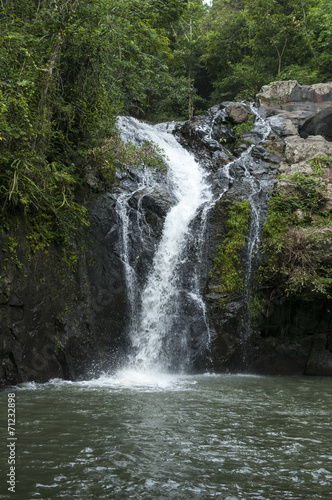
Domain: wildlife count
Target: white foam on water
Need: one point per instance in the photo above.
(139, 379)
(127, 378)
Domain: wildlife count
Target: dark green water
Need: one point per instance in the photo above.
(227, 437)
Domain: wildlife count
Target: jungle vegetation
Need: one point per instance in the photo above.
(68, 68)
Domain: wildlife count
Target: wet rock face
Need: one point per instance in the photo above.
(213, 139)
(295, 335)
(58, 320)
(70, 322)
(290, 337)
(295, 338)
(230, 129)
(202, 135)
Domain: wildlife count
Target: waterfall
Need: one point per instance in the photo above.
(159, 335)
(169, 327)
(132, 286)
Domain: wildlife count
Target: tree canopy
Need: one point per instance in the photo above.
(252, 42)
(69, 67)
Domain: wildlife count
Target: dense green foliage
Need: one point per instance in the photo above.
(69, 67)
(252, 42)
(228, 264)
(298, 236)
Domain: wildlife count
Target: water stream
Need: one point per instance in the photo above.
(159, 341)
(161, 334)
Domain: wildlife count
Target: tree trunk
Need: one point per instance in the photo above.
(57, 47)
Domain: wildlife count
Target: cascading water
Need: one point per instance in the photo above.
(160, 339)
(123, 213)
(261, 129)
(168, 318)
(257, 190)
(257, 205)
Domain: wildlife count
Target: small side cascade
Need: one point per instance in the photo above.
(263, 129)
(123, 210)
(249, 176)
(245, 161)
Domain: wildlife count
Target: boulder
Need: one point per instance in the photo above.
(289, 95)
(299, 149)
(276, 93)
(237, 112)
(282, 125)
(318, 124)
(208, 137)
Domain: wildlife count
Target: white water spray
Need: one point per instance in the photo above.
(155, 335)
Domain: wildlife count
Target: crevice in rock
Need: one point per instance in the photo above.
(319, 124)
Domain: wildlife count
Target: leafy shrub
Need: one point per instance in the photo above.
(114, 153)
(298, 236)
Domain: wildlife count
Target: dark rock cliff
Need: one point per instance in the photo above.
(262, 327)
(66, 317)
(56, 316)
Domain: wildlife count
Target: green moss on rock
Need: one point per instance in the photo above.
(227, 270)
